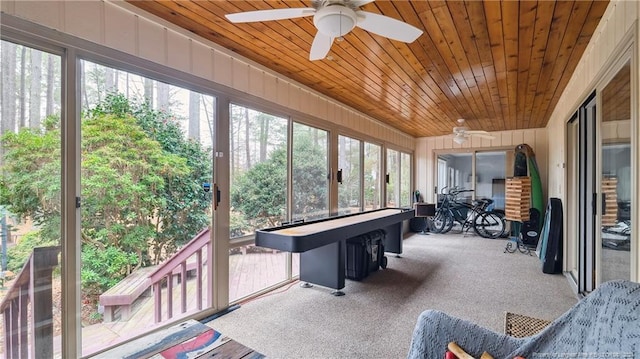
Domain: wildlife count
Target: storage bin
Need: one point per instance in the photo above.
(365, 254)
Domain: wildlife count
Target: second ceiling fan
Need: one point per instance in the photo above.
(334, 19)
(462, 132)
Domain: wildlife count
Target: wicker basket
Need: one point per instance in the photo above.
(520, 326)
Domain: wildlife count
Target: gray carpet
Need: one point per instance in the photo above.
(469, 277)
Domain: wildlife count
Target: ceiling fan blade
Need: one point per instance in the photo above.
(357, 3)
(482, 134)
(387, 26)
(320, 47)
(272, 14)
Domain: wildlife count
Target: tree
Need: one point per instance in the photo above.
(184, 205)
(309, 175)
(162, 96)
(247, 133)
(51, 72)
(141, 186)
(8, 103)
(194, 115)
(30, 184)
(264, 135)
(22, 94)
(35, 88)
(260, 193)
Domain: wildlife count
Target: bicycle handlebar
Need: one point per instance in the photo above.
(458, 191)
(455, 190)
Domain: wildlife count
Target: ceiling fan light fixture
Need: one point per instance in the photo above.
(459, 139)
(335, 20)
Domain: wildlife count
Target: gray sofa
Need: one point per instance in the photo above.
(604, 324)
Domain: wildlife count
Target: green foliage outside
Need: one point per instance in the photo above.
(141, 187)
(310, 182)
(259, 195)
(18, 254)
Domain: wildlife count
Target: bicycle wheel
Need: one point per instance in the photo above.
(489, 225)
(442, 221)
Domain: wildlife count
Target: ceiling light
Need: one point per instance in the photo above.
(459, 139)
(335, 20)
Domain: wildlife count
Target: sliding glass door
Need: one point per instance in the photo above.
(146, 204)
(615, 182)
(30, 202)
(482, 171)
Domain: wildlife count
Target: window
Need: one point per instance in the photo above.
(398, 179)
(310, 172)
(258, 170)
(30, 207)
(393, 178)
(405, 179)
(258, 188)
(372, 176)
(349, 186)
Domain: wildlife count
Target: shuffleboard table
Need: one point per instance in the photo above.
(322, 243)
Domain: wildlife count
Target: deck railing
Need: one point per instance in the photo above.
(178, 267)
(33, 285)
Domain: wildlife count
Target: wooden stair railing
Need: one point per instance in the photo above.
(32, 285)
(178, 262)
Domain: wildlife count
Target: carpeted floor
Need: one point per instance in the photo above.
(469, 277)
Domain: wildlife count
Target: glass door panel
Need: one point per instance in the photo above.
(310, 175)
(30, 217)
(393, 178)
(349, 182)
(258, 187)
(490, 177)
(372, 171)
(457, 171)
(146, 176)
(615, 189)
(405, 180)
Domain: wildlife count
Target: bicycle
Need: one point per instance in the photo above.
(486, 222)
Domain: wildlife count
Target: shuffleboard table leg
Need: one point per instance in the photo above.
(337, 293)
(306, 285)
(324, 266)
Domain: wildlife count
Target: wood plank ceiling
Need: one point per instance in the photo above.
(501, 65)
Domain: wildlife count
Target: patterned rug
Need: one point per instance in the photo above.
(520, 326)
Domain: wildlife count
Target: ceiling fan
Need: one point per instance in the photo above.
(334, 19)
(461, 133)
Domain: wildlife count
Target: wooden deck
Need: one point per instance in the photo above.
(248, 273)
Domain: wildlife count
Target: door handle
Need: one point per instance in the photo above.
(216, 196)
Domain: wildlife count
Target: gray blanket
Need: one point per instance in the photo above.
(604, 324)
